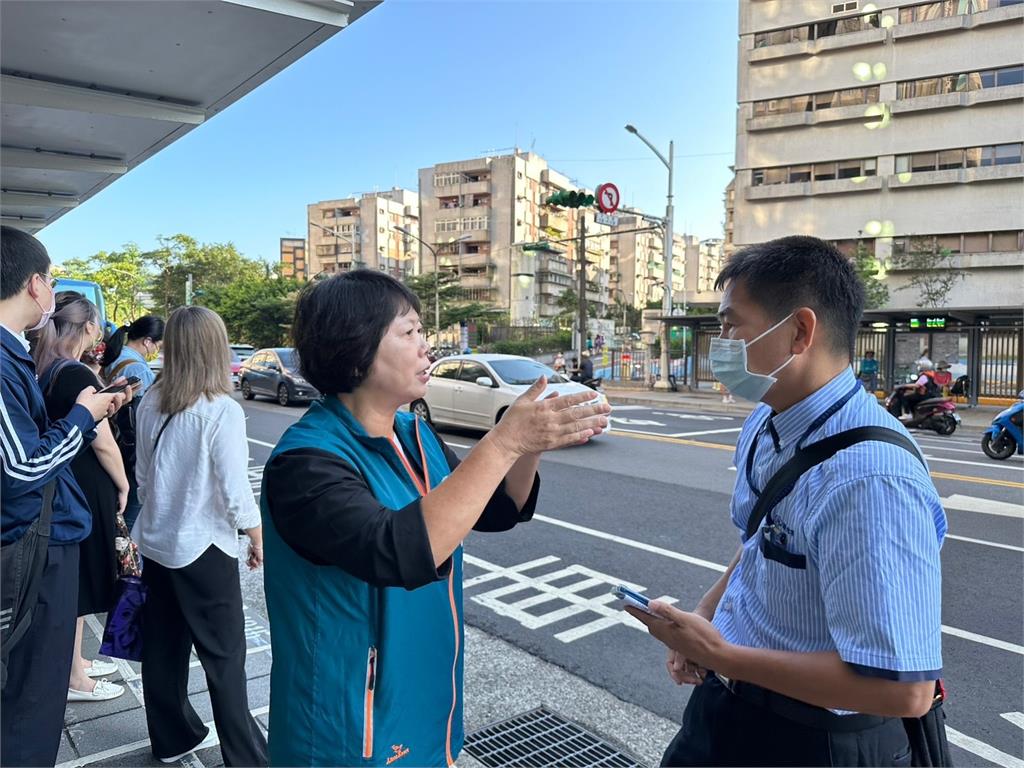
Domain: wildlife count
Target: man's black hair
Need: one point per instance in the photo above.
(339, 323)
(799, 271)
(21, 256)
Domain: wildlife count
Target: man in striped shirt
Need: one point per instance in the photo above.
(35, 453)
(825, 629)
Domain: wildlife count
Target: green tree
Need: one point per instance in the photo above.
(876, 293)
(123, 275)
(256, 310)
(454, 307)
(569, 308)
(931, 271)
(213, 266)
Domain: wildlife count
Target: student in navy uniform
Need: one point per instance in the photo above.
(825, 630)
(34, 453)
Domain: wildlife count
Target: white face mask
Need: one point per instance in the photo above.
(47, 313)
(729, 366)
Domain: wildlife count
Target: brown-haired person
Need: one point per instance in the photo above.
(57, 348)
(192, 467)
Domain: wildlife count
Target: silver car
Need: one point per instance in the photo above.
(474, 391)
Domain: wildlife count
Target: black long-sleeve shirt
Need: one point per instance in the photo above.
(324, 510)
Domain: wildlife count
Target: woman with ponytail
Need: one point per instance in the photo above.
(130, 348)
(57, 348)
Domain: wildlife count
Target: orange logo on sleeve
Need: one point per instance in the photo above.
(400, 751)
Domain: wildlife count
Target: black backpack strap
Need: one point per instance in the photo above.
(783, 481)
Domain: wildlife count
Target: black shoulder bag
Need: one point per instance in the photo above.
(927, 735)
(21, 570)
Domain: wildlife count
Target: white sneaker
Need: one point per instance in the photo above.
(101, 668)
(209, 741)
(104, 691)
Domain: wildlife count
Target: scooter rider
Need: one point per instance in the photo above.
(909, 395)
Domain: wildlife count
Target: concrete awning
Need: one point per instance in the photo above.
(91, 89)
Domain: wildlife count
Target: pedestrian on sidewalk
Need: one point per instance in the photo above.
(127, 353)
(868, 372)
(57, 348)
(37, 453)
(192, 466)
(365, 509)
(825, 630)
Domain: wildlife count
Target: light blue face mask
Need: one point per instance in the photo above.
(729, 366)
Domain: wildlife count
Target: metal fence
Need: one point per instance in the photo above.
(1001, 365)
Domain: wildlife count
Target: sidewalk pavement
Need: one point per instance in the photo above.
(501, 681)
(973, 417)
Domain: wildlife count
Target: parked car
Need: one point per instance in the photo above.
(475, 390)
(236, 365)
(244, 351)
(275, 372)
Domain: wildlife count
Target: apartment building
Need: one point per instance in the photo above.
(710, 260)
(362, 232)
(637, 263)
(897, 125)
(479, 213)
(293, 258)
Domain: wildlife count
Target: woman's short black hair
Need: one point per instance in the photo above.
(339, 323)
(800, 271)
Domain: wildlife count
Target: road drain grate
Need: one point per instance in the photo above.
(543, 738)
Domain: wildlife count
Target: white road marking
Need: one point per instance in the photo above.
(254, 441)
(975, 452)
(707, 432)
(1017, 718)
(989, 641)
(692, 416)
(986, 543)
(635, 422)
(604, 604)
(954, 631)
(632, 543)
(983, 506)
(987, 464)
(456, 445)
(982, 750)
(630, 407)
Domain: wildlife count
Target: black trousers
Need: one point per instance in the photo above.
(33, 703)
(720, 728)
(201, 605)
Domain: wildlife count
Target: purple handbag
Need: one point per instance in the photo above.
(122, 636)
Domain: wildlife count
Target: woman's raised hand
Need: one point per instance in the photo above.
(534, 425)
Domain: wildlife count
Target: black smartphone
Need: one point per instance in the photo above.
(113, 389)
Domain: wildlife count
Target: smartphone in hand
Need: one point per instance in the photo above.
(635, 599)
(113, 389)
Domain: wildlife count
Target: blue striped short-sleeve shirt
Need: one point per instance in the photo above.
(869, 524)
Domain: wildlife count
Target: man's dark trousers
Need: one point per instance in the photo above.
(39, 667)
(720, 728)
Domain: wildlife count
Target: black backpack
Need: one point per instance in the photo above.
(124, 426)
(927, 735)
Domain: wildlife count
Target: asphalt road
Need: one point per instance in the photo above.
(648, 506)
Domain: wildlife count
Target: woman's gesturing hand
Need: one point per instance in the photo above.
(534, 425)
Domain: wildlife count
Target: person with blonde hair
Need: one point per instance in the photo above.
(56, 348)
(191, 465)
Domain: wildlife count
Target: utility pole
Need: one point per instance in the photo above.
(581, 250)
(188, 290)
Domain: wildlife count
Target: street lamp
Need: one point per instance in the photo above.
(437, 280)
(666, 309)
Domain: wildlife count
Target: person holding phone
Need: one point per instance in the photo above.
(37, 452)
(57, 348)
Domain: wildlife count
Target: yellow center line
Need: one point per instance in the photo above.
(730, 448)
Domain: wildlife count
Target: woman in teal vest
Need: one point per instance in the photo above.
(365, 509)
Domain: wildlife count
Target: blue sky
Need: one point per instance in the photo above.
(416, 83)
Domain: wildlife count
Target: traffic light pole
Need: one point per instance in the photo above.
(581, 251)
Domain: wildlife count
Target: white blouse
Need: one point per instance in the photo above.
(195, 490)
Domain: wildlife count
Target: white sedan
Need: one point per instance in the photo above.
(474, 391)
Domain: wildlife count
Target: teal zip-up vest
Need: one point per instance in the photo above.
(362, 675)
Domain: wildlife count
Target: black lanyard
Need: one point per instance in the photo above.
(815, 425)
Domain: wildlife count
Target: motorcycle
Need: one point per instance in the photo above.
(1003, 438)
(594, 383)
(935, 413)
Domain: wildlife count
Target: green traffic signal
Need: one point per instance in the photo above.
(570, 199)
